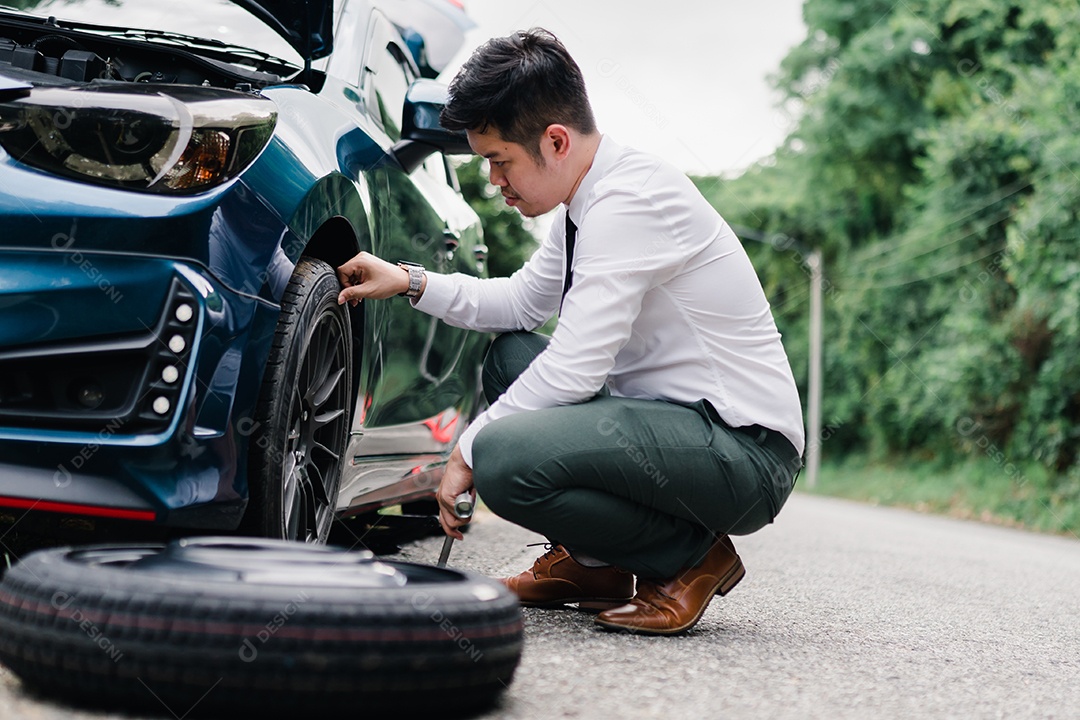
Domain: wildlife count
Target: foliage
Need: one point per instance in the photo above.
(972, 489)
(934, 163)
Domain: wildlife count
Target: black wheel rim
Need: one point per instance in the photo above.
(317, 415)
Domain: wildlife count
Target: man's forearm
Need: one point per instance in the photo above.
(486, 304)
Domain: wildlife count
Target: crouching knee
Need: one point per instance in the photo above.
(498, 473)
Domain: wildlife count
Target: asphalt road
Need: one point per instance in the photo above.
(846, 611)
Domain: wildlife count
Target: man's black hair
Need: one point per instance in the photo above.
(519, 85)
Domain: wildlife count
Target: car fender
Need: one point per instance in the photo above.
(309, 180)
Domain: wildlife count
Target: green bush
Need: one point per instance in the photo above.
(935, 165)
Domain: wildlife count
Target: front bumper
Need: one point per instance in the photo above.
(127, 387)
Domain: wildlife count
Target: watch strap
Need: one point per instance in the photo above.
(416, 278)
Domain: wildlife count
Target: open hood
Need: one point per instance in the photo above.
(13, 88)
(307, 25)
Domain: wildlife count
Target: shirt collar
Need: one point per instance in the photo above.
(606, 154)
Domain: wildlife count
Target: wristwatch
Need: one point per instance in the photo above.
(416, 277)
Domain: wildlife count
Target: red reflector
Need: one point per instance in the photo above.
(74, 509)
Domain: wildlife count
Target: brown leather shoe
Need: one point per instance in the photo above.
(556, 579)
(668, 607)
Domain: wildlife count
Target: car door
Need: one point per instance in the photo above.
(420, 374)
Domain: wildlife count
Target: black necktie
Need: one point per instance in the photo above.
(571, 235)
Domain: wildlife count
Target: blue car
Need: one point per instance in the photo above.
(176, 191)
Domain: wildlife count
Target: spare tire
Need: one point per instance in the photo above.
(211, 625)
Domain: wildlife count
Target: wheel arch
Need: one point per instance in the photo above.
(333, 222)
(334, 242)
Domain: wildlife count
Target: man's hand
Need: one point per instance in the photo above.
(456, 479)
(366, 276)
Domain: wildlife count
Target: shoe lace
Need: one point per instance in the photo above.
(542, 563)
(550, 547)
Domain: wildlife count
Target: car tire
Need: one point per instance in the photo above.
(264, 627)
(302, 417)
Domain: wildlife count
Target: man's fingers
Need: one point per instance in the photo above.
(450, 530)
(348, 271)
(352, 295)
(351, 272)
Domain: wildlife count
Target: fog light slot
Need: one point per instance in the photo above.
(130, 384)
(86, 392)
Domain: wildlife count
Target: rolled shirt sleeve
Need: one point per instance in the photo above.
(523, 301)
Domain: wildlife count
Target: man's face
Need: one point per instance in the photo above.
(533, 187)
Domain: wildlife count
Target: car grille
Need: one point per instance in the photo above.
(114, 385)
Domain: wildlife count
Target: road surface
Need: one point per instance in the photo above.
(847, 611)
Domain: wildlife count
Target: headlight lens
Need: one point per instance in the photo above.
(156, 138)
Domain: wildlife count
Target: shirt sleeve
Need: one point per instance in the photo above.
(523, 301)
(624, 249)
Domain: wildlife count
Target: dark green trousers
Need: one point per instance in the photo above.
(645, 485)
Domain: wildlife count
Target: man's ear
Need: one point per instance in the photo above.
(557, 138)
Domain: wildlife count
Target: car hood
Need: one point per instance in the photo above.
(12, 88)
(307, 25)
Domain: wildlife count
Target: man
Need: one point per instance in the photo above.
(662, 415)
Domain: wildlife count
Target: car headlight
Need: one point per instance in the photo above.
(156, 138)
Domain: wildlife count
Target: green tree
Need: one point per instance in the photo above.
(934, 164)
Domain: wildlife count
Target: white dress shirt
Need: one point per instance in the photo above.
(665, 305)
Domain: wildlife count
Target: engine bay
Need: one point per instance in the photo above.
(46, 53)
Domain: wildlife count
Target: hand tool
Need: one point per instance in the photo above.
(463, 508)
